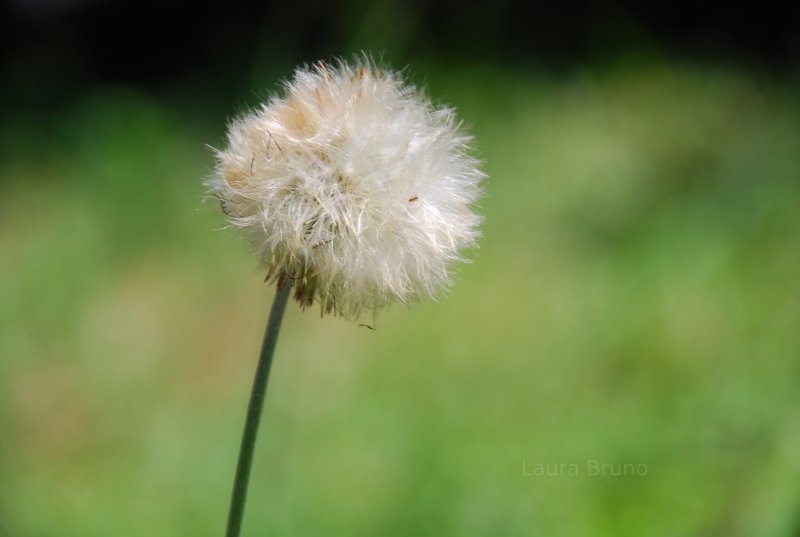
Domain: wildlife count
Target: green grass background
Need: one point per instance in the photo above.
(635, 300)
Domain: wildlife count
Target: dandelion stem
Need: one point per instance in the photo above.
(254, 408)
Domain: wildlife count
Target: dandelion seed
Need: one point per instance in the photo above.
(369, 197)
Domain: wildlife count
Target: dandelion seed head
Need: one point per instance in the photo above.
(353, 185)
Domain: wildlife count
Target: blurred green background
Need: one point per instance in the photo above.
(634, 303)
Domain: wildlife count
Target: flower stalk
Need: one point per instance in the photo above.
(239, 495)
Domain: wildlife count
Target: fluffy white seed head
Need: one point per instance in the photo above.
(353, 185)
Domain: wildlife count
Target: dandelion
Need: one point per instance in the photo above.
(354, 186)
(355, 191)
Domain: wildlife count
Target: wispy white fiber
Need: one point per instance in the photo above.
(353, 185)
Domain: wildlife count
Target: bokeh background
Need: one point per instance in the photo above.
(622, 357)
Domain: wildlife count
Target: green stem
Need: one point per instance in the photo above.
(242, 478)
